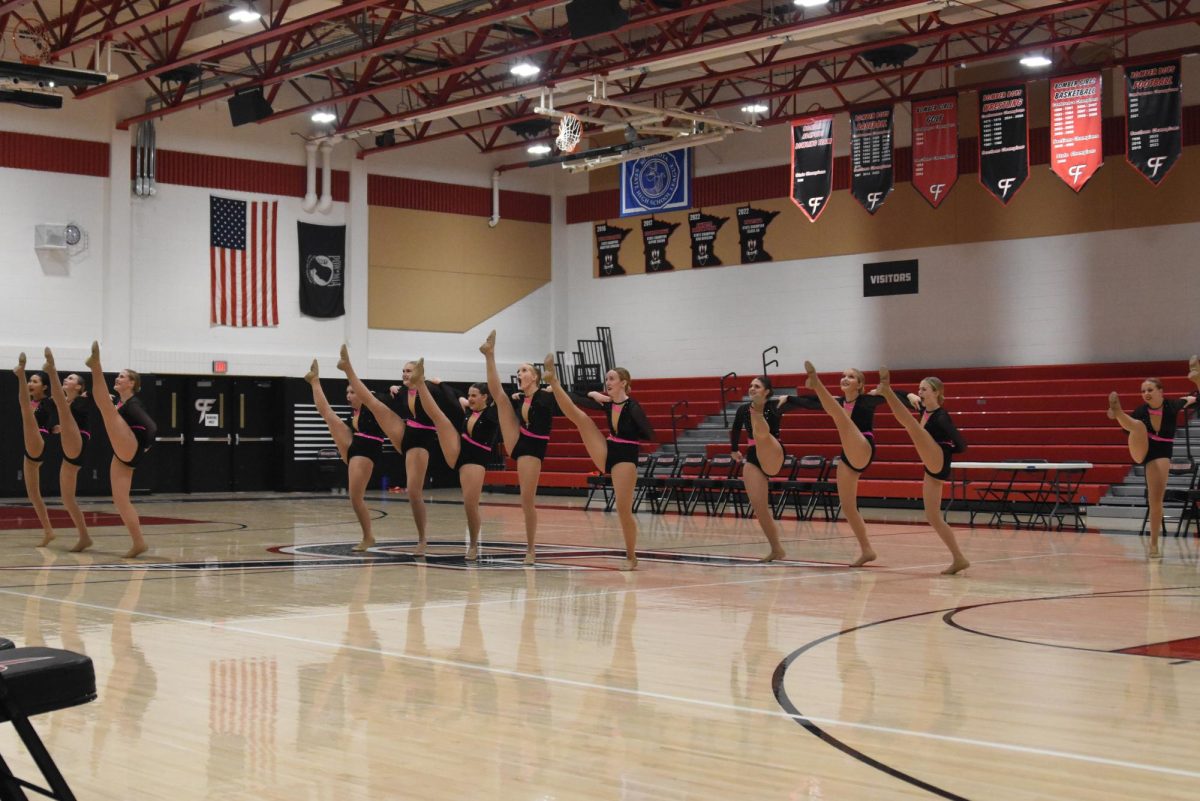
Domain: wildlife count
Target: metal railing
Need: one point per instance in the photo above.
(674, 428)
(724, 390)
(765, 363)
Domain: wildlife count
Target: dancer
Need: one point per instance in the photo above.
(469, 450)
(359, 441)
(935, 438)
(130, 432)
(854, 416)
(764, 458)
(525, 438)
(410, 429)
(35, 427)
(618, 453)
(72, 403)
(1151, 430)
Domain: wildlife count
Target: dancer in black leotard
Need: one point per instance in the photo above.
(131, 433)
(854, 416)
(1151, 430)
(467, 449)
(525, 436)
(73, 404)
(764, 458)
(616, 454)
(359, 441)
(35, 407)
(935, 438)
(410, 429)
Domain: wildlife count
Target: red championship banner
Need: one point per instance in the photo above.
(935, 147)
(1076, 151)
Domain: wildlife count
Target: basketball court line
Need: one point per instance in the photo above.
(644, 694)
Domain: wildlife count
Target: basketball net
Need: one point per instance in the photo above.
(570, 129)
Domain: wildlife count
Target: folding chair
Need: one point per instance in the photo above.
(1057, 500)
(602, 483)
(800, 491)
(678, 488)
(663, 465)
(1001, 492)
(1185, 497)
(713, 487)
(775, 484)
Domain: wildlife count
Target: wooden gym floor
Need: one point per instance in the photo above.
(254, 657)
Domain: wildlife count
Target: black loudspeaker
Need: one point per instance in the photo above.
(589, 17)
(249, 106)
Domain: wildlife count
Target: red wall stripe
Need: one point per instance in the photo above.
(53, 154)
(410, 193)
(240, 175)
(766, 183)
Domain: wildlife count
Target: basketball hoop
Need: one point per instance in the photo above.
(570, 128)
(30, 41)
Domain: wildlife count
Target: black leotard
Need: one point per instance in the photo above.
(41, 416)
(862, 414)
(368, 435)
(80, 411)
(536, 415)
(480, 431)
(772, 412)
(633, 428)
(942, 429)
(1162, 442)
(139, 421)
(419, 430)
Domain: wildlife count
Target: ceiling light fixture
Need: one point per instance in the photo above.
(809, 3)
(755, 108)
(323, 116)
(525, 70)
(540, 149)
(1034, 60)
(244, 13)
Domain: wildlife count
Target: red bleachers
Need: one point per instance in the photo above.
(1051, 412)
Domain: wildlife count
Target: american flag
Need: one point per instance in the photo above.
(242, 262)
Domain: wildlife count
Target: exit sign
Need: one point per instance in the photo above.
(220, 366)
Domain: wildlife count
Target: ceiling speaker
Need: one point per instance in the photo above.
(589, 17)
(249, 105)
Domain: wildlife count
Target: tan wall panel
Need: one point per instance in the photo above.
(1116, 197)
(431, 271)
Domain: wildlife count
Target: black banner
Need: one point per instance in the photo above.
(871, 173)
(752, 229)
(890, 278)
(1003, 140)
(704, 229)
(322, 269)
(655, 235)
(608, 247)
(1154, 121)
(812, 164)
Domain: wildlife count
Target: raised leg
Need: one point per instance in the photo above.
(416, 467)
(1157, 472)
(68, 476)
(124, 442)
(68, 431)
(758, 489)
(768, 449)
(359, 472)
(1139, 437)
(932, 455)
(510, 426)
(34, 444)
(341, 433)
(448, 434)
(595, 441)
(121, 477)
(932, 496)
(391, 423)
(847, 485)
(470, 476)
(529, 470)
(624, 479)
(855, 445)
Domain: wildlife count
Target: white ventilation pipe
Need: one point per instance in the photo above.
(310, 178)
(495, 218)
(326, 177)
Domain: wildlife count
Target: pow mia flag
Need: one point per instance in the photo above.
(655, 235)
(704, 229)
(322, 269)
(752, 228)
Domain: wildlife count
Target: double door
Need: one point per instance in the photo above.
(230, 434)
